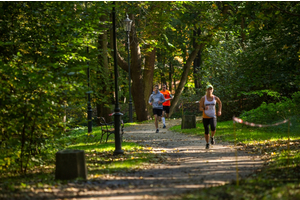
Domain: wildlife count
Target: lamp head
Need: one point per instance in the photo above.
(127, 24)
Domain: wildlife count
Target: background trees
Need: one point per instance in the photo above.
(256, 56)
(43, 70)
(248, 50)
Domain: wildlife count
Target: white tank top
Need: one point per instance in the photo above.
(211, 112)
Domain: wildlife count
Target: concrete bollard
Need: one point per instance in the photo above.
(70, 164)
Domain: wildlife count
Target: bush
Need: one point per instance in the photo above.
(272, 112)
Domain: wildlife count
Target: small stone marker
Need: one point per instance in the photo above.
(70, 164)
(188, 121)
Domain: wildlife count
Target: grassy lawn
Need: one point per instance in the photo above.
(246, 134)
(99, 156)
(100, 161)
(279, 179)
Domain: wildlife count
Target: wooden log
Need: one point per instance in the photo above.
(188, 121)
(70, 164)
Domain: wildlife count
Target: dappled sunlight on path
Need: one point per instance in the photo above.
(184, 163)
(181, 164)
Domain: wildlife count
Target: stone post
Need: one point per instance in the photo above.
(70, 164)
(188, 121)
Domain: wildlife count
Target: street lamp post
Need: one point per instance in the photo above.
(127, 28)
(89, 107)
(117, 114)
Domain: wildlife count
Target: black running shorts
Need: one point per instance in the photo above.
(212, 122)
(157, 112)
(166, 109)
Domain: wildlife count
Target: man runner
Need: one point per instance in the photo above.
(155, 100)
(166, 105)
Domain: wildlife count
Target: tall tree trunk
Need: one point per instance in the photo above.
(184, 76)
(160, 61)
(138, 90)
(148, 77)
(163, 77)
(197, 61)
(103, 109)
(170, 76)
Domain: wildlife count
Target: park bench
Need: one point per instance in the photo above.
(109, 128)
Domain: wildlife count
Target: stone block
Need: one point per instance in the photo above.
(70, 164)
(188, 121)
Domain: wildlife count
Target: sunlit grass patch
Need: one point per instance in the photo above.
(99, 155)
(100, 160)
(246, 134)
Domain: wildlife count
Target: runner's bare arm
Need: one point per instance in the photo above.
(201, 104)
(220, 106)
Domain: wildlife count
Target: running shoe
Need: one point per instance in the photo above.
(157, 130)
(164, 126)
(212, 140)
(207, 146)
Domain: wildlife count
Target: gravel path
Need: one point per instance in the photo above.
(186, 165)
(183, 165)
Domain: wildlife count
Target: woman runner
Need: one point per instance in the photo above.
(208, 106)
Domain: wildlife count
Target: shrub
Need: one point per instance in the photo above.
(272, 112)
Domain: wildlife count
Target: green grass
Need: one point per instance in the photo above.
(246, 134)
(100, 160)
(100, 157)
(277, 180)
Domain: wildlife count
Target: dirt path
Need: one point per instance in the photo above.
(186, 165)
(189, 165)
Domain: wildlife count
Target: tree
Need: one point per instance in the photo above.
(142, 76)
(43, 68)
(211, 22)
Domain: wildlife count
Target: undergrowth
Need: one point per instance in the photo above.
(100, 161)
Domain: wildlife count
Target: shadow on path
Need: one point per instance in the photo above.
(185, 166)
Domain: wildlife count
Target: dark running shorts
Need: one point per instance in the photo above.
(167, 109)
(212, 122)
(157, 112)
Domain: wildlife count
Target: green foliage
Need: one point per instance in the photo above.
(43, 62)
(272, 112)
(254, 57)
(100, 160)
(251, 57)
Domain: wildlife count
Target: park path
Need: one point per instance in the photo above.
(183, 165)
(186, 165)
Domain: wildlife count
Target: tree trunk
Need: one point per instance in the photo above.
(184, 76)
(163, 78)
(148, 77)
(170, 76)
(138, 90)
(197, 61)
(103, 109)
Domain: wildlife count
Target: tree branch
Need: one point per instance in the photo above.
(289, 13)
(120, 60)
